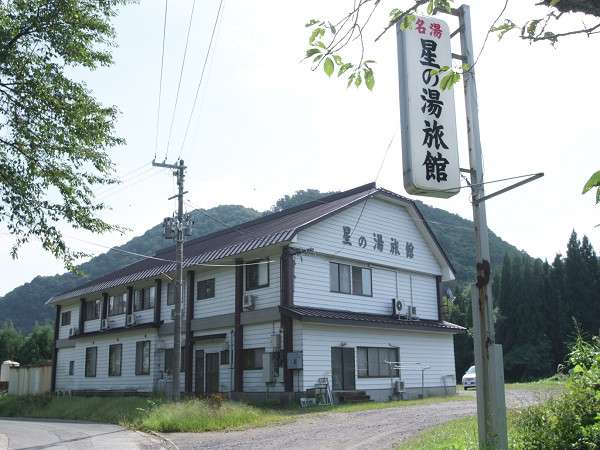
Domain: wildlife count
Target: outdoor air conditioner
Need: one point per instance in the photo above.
(397, 308)
(412, 312)
(104, 324)
(73, 332)
(130, 320)
(249, 301)
(399, 386)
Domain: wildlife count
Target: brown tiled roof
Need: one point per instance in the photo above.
(271, 229)
(332, 316)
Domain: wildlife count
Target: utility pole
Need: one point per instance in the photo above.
(177, 228)
(491, 404)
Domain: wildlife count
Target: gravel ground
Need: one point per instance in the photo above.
(375, 429)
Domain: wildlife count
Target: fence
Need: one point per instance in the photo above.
(29, 380)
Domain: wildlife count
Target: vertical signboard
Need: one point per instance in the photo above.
(427, 112)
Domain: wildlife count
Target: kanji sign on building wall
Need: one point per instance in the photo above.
(427, 113)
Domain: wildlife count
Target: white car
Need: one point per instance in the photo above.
(469, 378)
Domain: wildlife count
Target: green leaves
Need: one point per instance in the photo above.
(369, 79)
(594, 181)
(504, 28)
(449, 80)
(328, 66)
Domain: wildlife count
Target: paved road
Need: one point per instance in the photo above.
(61, 435)
(376, 429)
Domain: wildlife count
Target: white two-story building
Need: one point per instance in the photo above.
(346, 288)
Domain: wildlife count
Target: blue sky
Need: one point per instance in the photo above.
(266, 125)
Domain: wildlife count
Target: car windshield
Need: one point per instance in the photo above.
(471, 369)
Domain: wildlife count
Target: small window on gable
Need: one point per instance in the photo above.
(205, 289)
(65, 318)
(257, 274)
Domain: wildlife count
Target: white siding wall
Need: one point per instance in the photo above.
(259, 336)
(432, 349)
(91, 325)
(224, 299)
(165, 312)
(297, 346)
(379, 216)
(311, 288)
(128, 379)
(63, 332)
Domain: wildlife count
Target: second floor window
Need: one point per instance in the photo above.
(144, 298)
(117, 304)
(205, 289)
(92, 309)
(171, 293)
(65, 318)
(257, 274)
(348, 279)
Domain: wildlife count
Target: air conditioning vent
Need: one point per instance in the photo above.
(249, 301)
(104, 324)
(412, 313)
(73, 332)
(130, 320)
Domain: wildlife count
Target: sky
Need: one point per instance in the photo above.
(265, 125)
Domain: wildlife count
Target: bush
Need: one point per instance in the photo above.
(571, 421)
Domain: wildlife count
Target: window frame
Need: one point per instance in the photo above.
(92, 305)
(112, 372)
(255, 364)
(214, 289)
(256, 263)
(88, 359)
(224, 357)
(141, 356)
(369, 351)
(63, 315)
(351, 268)
(71, 370)
(170, 298)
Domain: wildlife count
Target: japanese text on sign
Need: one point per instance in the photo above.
(378, 243)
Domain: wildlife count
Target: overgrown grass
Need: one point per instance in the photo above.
(554, 383)
(459, 434)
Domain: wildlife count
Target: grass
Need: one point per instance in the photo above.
(458, 434)
(554, 383)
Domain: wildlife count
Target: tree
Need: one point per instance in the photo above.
(10, 342)
(55, 134)
(37, 347)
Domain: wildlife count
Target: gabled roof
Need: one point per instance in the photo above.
(331, 316)
(272, 229)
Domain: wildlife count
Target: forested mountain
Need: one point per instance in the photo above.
(24, 306)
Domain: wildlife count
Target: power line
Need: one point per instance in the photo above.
(216, 219)
(210, 43)
(162, 61)
(187, 39)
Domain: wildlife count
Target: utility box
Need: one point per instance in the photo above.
(294, 360)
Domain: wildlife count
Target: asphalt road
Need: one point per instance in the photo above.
(375, 429)
(27, 434)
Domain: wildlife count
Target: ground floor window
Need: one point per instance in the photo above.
(71, 368)
(169, 354)
(373, 361)
(142, 358)
(115, 352)
(224, 357)
(253, 358)
(91, 358)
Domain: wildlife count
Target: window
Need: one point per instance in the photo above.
(92, 309)
(144, 298)
(224, 357)
(171, 294)
(115, 352)
(371, 361)
(348, 279)
(142, 358)
(253, 358)
(71, 368)
(91, 357)
(205, 289)
(117, 304)
(257, 274)
(361, 281)
(169, 361)
(65, 318)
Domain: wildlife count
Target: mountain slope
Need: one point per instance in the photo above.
(24, 305)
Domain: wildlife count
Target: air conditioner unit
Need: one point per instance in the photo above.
(104, 324)
(130, 320)
(399, 386)
(73, 332)
(412, 312)
(397, 308)
(249, 301)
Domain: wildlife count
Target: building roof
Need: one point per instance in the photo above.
(331, 316)
(271, 229)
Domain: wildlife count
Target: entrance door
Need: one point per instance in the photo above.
(212, 373)
(199, 384)
(342, 369)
